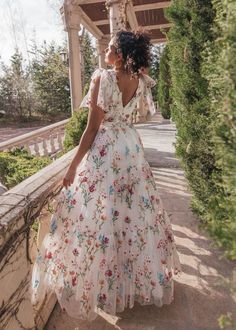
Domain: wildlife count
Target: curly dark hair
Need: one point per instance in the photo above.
(135, 47)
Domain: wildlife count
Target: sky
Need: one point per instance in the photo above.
(21, 21)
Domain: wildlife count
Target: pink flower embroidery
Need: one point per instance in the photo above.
(75, 252)
(48, 255)
(92, 188)
(127, 219)
(85, 179)
(74, 281)
(103, 152)
(108, 273)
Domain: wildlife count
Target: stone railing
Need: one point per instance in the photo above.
(25, 213)
(46, 141)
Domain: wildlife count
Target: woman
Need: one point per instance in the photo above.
(110, 241)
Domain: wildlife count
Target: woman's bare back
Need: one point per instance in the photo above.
(127, 86)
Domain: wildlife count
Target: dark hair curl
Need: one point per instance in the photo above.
(135, 47)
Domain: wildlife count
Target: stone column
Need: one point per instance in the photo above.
(101, 46)
(117, 15)
(72, 18)
(142, 109)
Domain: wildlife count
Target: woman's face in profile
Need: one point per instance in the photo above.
(110, 53)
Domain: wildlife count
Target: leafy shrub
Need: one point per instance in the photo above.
(17, 165)
(191, 29)
(202, 64)
(164, 83)
(75, 128)
(220, 70)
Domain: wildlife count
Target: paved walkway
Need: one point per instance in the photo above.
(11, 132)
(200, 296)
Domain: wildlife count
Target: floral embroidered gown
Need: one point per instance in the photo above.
(110, 241)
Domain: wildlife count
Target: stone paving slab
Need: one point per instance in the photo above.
(200, 296)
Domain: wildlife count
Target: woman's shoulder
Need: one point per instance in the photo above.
(149, 81)
(102, 72)
(97, 72)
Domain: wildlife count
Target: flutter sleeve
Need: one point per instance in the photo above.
(103, 92)
(147, 93)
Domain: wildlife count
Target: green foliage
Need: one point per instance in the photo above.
(192, 21)
(40, 89)
(164, 83)
(89, 60)
(75, 128)
(51, 80)
(225, 321)
(202, 65)
(17, 165)
(220, 70)
(15, 90)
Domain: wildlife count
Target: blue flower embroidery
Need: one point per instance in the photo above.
(38, 258)
(137, 148)
(36, 283)
(146, 201)
(53, 225)
(127, 151)
(80, 237)
(111, 190)
(160, 277)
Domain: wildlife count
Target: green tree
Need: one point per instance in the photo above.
(15, 88)
(51, 81)
(220, 70)
(89, 58)
(164, 84)
(192, 22)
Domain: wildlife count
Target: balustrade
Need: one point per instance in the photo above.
(46, 141)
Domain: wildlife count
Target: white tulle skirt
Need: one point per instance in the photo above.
(110, 242)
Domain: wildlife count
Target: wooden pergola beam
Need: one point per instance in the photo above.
(157, 26)
(148, 6)
(158, 41)
(90, 25)
(102, 22)
(149, 27)
(151, 6)
(86, 2)
(133, 22)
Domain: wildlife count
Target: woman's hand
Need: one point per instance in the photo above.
(69, 176)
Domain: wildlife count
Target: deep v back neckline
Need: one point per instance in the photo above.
(119, 91)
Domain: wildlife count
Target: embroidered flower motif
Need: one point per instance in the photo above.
(75, 252)
(92, 188)
(48, 255)
(108, 272)
(127, 219)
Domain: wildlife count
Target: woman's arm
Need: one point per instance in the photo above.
(95, 117)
